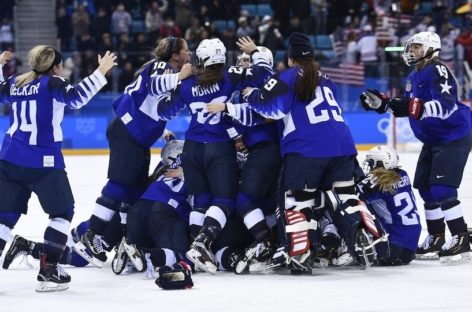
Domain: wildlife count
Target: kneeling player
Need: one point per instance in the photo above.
(157, 223)
(387, 190)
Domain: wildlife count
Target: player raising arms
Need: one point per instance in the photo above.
(443, 124)
(209, 155)
(130, 135)
(31, 159)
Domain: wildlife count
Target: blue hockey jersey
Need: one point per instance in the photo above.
(264, 132)
(137, 106)
(445, 118)
(397, 212)
(205, 127)
(34, 138)
(170, 191)
(312, 128)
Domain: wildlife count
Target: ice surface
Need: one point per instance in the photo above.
(421, 286)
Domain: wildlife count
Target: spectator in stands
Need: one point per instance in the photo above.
(319, 8)
(86, 42)
(6, 34)
(301, 8)
(192, 34)
(295, 25)
(269, 34)
(101, 24)
(244, 30)
(126, 75)
(281, 9)
(351, 54)
(183, 12)
(213, 30)
(64, 28)
(121, 21)
(105, 44)
(80, 22)
(154, 21)
(125, 48)
(464, 44)
(229, 39)
(367, 47)
(140, 51)
(169, 28)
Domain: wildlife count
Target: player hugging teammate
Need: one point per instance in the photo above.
(266, 179)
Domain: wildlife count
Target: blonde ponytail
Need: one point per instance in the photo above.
(41, 59)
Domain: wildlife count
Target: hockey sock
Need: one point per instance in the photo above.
(104, 210)
(162, 256)
(215, 220)
(434, 218)
(55, 238)
(253, 217)
(453, 215)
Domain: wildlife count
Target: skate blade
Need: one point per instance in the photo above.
(343, 260)
(206, 266)
(263, 267)
(51, 287)
(465, 257)
(81, 250)
(320, 263)
(133, 255)
(427, 256)
(241, 266)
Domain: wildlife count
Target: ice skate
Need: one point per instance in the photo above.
(456, 250)
(201, 255)
(20, 248)
(91, 249)
(135, 255)
(430, 247)
(256, 252)
(51, 277)
(120, 259)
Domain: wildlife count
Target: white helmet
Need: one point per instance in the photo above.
(380, 156)
(172, 151)
(267, 54)
(211, 51)
(431, 46)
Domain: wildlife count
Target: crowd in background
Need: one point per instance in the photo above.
(358, 30)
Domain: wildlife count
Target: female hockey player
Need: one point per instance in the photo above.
(258, 173)
(443, 124)
(130, 135)
(209, 160)
(387, 189)
(317, 148)
(31, 159)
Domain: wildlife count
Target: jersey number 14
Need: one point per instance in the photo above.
(27, 112)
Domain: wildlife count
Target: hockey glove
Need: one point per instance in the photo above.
(403, 107)
(178, 276)
(374, 100)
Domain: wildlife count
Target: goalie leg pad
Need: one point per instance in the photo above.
(298, 221)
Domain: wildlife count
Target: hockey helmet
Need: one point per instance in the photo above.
(431, 45)
(172, 151)
(210, 52)
(380, 156)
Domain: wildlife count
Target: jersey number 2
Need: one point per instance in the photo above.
(405, 198)
(27, 112)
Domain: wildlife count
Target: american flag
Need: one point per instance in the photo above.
(387, 25)
(351, 74)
